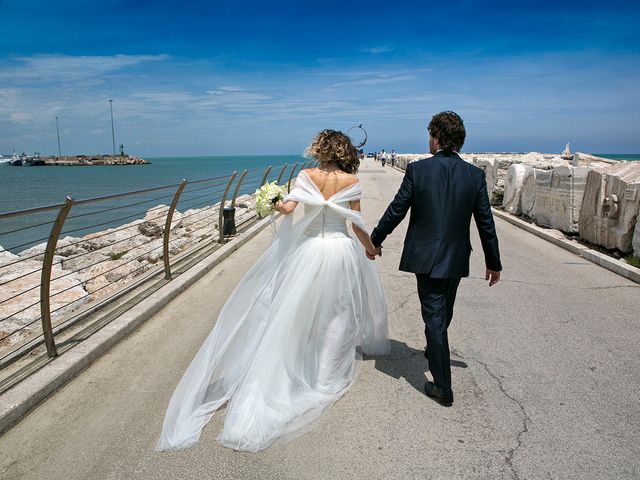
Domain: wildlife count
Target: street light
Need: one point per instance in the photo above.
(58, 130)
(113, 135)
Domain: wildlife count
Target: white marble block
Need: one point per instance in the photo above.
(495, 187)
(404, 159)
(610, 207)
(513, 188)
(636, 240)
(542, 195)
(528, 192)
(558, 197)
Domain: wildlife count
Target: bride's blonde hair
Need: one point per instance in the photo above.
(334, 146)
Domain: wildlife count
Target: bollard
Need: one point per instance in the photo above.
(228, 221)
(222, 208)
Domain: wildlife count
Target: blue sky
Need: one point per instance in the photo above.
(210, 77)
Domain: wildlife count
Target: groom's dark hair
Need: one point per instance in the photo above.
(448, 129)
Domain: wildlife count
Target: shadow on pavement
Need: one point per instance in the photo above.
(408, 363)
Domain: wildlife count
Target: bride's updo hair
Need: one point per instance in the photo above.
(334, 146)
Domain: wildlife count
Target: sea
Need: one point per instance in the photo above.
(629, 157)
(29, 187)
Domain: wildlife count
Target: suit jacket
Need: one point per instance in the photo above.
(442, 192)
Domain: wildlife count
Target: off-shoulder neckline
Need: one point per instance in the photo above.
(320, 191)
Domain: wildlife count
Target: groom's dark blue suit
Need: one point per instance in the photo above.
(443, 192)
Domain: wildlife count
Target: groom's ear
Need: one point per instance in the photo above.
(434, 145)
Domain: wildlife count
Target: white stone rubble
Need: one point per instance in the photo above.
(611, 206)
(92, 267)
(572, 192)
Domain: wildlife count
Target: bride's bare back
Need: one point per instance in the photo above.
(330, 182)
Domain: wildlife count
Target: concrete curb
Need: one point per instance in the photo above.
(557, 238)
(16, 403)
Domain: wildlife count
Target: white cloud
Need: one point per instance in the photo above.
(373, 80)
(178, 104)
(56, 67)
(21, 117)
(377, 50)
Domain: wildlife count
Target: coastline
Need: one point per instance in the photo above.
(92, 160)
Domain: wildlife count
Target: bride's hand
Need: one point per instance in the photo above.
(281, 207)
(287, 207)
(376, 252)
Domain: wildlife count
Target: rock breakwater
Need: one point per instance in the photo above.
(594, 198)
(92, 267)
(94, 160)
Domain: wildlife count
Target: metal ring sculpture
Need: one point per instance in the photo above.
(365, 135)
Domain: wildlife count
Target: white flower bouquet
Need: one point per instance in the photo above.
(267, 196)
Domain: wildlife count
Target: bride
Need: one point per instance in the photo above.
(284, 346)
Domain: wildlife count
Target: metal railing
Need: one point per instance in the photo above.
(90, 256)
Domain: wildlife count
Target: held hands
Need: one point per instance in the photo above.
(376, 253)
(492, 276)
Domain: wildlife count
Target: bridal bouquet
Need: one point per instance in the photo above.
(267, 196)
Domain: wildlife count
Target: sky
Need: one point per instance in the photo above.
(202, 77)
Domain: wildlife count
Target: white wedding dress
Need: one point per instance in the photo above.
(284, 346)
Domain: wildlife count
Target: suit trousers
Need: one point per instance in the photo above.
(437, 296)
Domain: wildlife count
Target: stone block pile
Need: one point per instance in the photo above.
(579, 194)
(90, 268)
(609, 214)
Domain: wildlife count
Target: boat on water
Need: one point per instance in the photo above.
(13, 160)
(23, 160)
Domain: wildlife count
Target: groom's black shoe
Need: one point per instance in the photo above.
(438, 394)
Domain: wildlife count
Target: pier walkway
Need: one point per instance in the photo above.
(546, 374)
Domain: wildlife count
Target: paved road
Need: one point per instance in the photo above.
(546, 378)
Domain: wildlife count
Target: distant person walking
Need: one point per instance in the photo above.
(383, 157)
(393, 158)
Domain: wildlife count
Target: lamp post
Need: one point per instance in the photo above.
(58, 130)
(113, 135)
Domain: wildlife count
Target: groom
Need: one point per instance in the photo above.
(442, 192)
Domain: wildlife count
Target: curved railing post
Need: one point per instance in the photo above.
(293, 170)
(45, 279)
(222, 202)
(167, 229)
(237, 190)
(266, 175)
(281, 173)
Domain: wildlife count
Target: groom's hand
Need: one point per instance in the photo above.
(492, 276)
